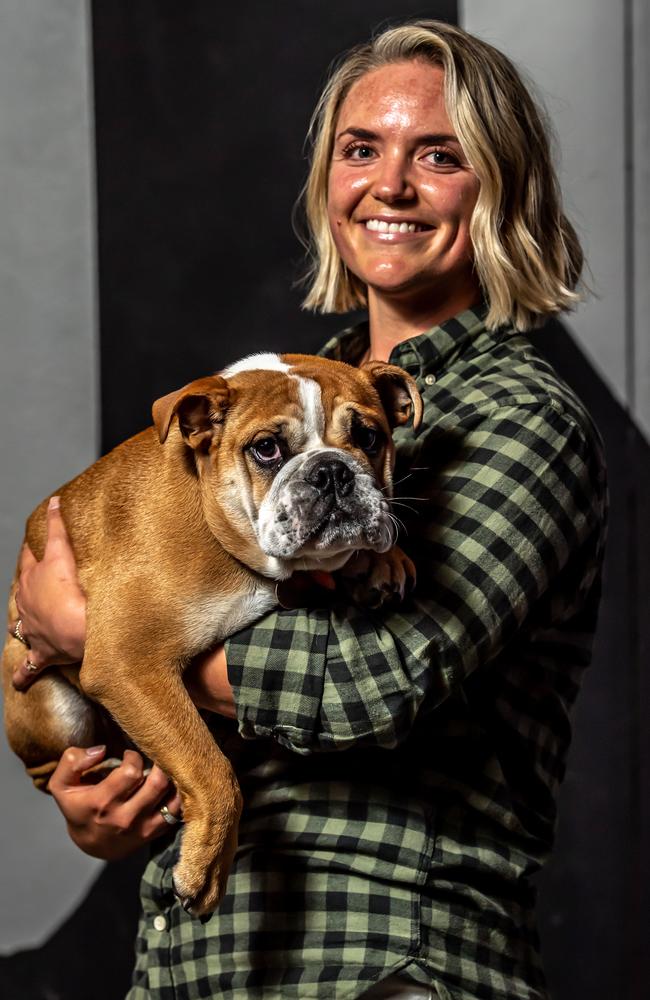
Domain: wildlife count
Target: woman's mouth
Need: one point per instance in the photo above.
(393, 228)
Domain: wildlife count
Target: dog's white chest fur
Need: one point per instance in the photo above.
(212, 618)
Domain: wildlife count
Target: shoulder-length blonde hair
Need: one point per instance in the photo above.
(526, 253)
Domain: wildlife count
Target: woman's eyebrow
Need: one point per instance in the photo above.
(359, 133)
(430, 139)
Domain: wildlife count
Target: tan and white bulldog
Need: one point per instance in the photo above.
(280, 463)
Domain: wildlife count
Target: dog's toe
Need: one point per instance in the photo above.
(185, 901)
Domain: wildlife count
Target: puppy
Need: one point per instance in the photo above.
(181, 534)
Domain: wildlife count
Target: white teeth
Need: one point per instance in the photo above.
(380, 226)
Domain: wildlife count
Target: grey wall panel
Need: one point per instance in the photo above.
(639, 78)
(589, 61)
(48, 377)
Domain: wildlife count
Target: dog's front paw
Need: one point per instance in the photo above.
(200, 887)
(374, 579)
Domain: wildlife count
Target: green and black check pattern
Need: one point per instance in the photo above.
(400, 770)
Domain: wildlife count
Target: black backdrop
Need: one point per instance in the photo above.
(201, 113)
(201, 116)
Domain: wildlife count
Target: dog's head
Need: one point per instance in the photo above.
(295, 456)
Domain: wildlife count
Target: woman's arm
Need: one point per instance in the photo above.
(512, 518)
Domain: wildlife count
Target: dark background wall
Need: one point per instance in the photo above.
(200, 119)
(201, 116)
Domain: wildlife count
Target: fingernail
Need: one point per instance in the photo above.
(95, 751)
(55, 503)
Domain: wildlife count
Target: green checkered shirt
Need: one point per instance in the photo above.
(400, 770)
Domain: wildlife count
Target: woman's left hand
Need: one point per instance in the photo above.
(51, 604)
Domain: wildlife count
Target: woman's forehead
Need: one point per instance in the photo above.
(399, 97)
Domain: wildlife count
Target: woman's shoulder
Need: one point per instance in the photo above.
(507, 372)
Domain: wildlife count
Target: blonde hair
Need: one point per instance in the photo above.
(527, 255)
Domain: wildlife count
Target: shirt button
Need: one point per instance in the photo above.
(160, 923)
(430, 379)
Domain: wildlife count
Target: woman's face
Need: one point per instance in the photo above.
(401, 192)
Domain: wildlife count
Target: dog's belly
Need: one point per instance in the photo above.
(73, 713)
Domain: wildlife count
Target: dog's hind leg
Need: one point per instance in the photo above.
(147, 697)
(46, 719)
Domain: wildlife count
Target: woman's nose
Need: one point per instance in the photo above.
(393, 181)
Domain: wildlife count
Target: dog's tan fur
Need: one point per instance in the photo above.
(170, 566)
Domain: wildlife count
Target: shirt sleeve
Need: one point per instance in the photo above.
(509, 512)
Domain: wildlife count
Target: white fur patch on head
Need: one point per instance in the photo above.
(314, 414)
(264, 361)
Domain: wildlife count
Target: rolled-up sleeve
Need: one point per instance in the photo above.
(509, 517)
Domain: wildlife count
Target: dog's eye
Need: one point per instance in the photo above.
(368, 439)
(266, 451)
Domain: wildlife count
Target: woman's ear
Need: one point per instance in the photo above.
(398, 392)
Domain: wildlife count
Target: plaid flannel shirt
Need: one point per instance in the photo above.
(400, 769)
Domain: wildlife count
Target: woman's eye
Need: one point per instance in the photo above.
(266, 451)
(443, 158)
(368, 439)
(358, 151)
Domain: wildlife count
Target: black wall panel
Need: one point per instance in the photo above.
(201, 116)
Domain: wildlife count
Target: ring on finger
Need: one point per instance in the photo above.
(18, 632)
(169, 817)
(32, 667)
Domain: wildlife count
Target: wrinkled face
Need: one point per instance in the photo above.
(401, 192)
(301, 462)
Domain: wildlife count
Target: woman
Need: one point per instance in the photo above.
(398, 865)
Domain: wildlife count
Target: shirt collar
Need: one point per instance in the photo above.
(429, 352)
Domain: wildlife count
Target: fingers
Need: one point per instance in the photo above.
(70, 769)
(27, 672)
(16, 629)
(135, 810)
(144, 805)
(27, 559)
(111, 817)
(50, 601)
(58, 540)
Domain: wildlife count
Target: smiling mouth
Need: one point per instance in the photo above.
(381, 226)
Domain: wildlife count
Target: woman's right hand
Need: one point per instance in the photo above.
(51, 603)
(119, 814)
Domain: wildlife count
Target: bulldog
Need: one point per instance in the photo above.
(182, 535)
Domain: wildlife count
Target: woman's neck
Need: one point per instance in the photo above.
(392, 321)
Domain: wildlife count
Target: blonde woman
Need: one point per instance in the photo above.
(399, 769)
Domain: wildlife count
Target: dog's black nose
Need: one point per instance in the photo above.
(331, 476)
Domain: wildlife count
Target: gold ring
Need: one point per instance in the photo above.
(18, 632)
(169, 816)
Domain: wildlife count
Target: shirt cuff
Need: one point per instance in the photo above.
(276, 669)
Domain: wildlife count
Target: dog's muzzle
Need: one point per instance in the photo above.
(322, 503)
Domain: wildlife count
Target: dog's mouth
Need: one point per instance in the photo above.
(326, 520)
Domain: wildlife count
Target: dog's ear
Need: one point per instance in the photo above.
(397, 390)
(201, 406)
